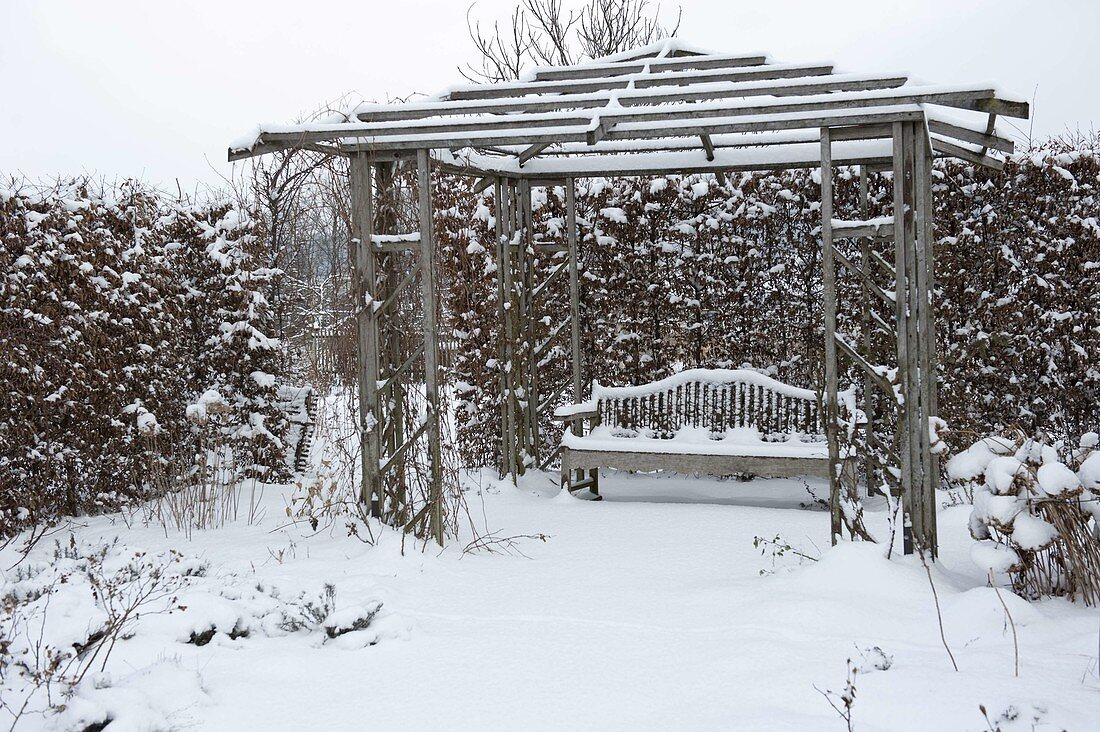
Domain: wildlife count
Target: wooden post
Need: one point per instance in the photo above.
(908, 427)
(926, 344)
(531, 375)
(867, 326)
(391, 408)
(828, 267)
(511, 428)
(431, 344)
(503, 299)
(367, 332)
(574, 290)
(575, 329)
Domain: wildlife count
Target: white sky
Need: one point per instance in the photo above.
(156, 89)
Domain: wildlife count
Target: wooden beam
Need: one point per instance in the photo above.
(879, 229)
(952, 150)
(963, 98)
(551, 181)
(630, 97)
(574, 288)
(990, 127)
(832, 382)
(503, 261)
(904, 238)
(658, 122)
(536, 354)
(596, 132)
(655, 65)
(403, 447)
(397, 246)
(351, 141)
(528, 312)
(438, 127)
(260, 148)
(639, 81)
(799, 96)
(1003, 107)
(864, 277)
(926, 335)
(554, 274)
(708, 146)
(727, 141)
(866, 366)
(987, 140)
(861, 132)
(598, 166)
(391, 298)
(396, 374)
(792, 88)
(691, 127)
(871, 400)
(672, 144)
(531, 152)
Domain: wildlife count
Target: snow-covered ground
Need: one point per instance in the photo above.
(652, 609)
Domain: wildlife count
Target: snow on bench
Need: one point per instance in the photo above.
(712, 421)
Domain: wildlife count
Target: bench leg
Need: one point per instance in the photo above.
(586, 484)
(576, 480)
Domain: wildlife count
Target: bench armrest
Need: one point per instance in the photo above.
(584, 410)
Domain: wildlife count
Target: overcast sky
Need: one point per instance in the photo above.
(157, 90)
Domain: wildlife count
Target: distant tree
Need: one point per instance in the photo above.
(543, 33)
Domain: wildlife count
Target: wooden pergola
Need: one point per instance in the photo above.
(664, 108)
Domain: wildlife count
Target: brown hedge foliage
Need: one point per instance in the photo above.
(119, 306)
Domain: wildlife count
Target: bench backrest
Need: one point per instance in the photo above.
(714, 399)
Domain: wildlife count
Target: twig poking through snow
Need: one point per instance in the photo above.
(1011, 622)
(847, 697)
(936, 599)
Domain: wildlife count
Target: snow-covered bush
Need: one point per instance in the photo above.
(1034, 517)
(61, 619)
(119, 307)
(65, 613)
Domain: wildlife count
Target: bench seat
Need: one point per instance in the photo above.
(746, 443)
(689, 454)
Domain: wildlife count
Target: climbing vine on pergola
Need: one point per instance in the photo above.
(664, 108)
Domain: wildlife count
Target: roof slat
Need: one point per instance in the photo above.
(640, 81)
(596, 70)
(693, 126)
(799, 155)
(696, 92)
(963, 133)
(686, 126)
(962, 97)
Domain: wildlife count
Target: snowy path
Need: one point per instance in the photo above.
(634, 615)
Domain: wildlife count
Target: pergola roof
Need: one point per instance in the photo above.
(662, 108)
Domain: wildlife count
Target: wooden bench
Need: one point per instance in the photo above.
(710, 421)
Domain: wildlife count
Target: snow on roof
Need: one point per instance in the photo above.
(666, 103)
(802, 155)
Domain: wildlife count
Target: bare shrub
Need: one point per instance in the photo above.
(38, 671)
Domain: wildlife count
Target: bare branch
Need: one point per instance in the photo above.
(541, 32)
